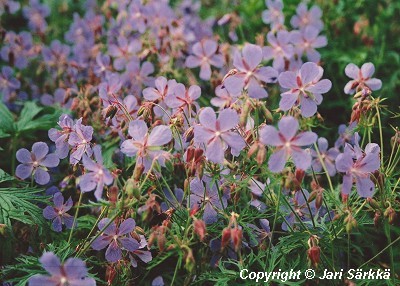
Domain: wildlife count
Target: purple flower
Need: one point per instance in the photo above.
(217, 134)
(102, 65)
(288, 144)
(306, 41)
(305, 88)
(305, 17)
(258, 235)
(205, 54)
(108, 89)
(72, 272)
(204, 193)
(116, 238)
(162, 88)
(346, 134)
(123, 51)
(361, 78)
(146, 147)
(36, 163)
(56, 55)
(142, 254)
(158, 281)
(327, 156)
(273, 15)
(35, 13)
(80, 139)
(279, 49)
(136, 75)
(58, 213)
(60, 137)
(9, 6)
(8, 83)
(17, 49)
(183, 99)
(223, 98)
(249, 76)
(358, 166)
(98, 175)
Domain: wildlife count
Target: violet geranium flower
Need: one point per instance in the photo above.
(60, 137)
(72, 272)
(328, 156)
(305, 88)
(305, 17)
(307, 41)
(80, 139)
(116, 238)
(249, 76)
(216, 133)
(58, 213)
(205, 55)
(273, 15)
(146, 147)
(358, 166)
(288, 144)
(361, 78)
(205, 194)
(98, 175)
(36, 163)
(279, 49)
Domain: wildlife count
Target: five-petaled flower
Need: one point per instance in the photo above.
(361, 78)
(36, 163)
(58, 213)
(358, 166)
(80, 139)
(116, 238)
(98, 175)
(249, 75)
(327, 156)
(288, 144)
(72, 272)
(305, 88)
(146, 147)
(217, 134)
(204, 55)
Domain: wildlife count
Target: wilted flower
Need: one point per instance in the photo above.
(249, 76)
(146, 147)
(98, 175)
(36, 163)
(116, 238)
(58, 213)
(358, 166)
(305, 88)
(205, 54)
(305, 17)
(327, 156)
(217, 134)
(288, 144)
(72, 272)
(362, 78)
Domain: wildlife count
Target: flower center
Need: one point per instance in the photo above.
(217, 133)
(115, 237)
(287, 144)
(35, 164)
(63, 280)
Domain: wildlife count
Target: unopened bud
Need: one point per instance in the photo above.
(138, 171)
(199, 228)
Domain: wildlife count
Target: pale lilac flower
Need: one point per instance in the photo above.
(9, 6)
(58, 213)
(97, 175)
(204, 193)
(56, 56)
(17, 49)
(108, 89)
(328, 156)
(116, 238)
(60, 98)
(362, 78)
(257, 188)
(273, 15)
(60, 137)
(80, 139)
(305, 88)
(279, 49)
(103, 65)
(146, 147)
(223, 97)
(137, 75)
(287, 144)
(71, 273)
(158, 281)
(217, 134)
(183, 99)
(8, 83)
(305, 17)
(204, 55)
(123, 51)
(346, 134)
(36, 163)
(36, 14)
(249, 75)
(141, 253)
(306, 41)
(137, 16)
(358, 166)
(160, 91)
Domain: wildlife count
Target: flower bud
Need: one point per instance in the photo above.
(199, 228)
(138, 171)
(236, 236)
(226, 237)
(190, 261)
(314, 254)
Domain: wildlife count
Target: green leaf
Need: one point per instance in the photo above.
(6, 121)
(4, 177)
(30, 119)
